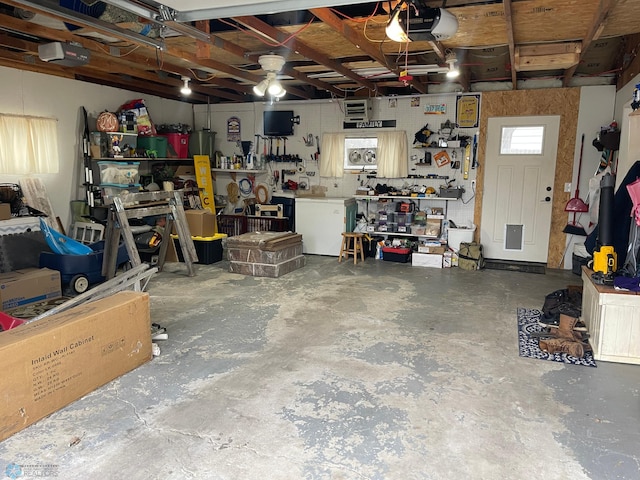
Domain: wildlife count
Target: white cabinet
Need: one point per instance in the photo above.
(613, 320)
(321, 222)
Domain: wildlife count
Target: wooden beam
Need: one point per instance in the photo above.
(508, 17)
(240, 52)
(633, 68)
(359, 40)
(595, 29)
(203, 49)
(296, 45)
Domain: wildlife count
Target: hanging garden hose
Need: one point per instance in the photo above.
(246, 187)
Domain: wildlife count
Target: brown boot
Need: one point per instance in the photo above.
(562, 345)
(565, 329)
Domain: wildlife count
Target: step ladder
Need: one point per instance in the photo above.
(141, 205)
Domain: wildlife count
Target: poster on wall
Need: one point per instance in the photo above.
(435, 109)
(233, 129)
(468, 111)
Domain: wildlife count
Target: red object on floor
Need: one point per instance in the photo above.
(7, 322)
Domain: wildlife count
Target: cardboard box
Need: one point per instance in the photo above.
(426, 260)
(29, 285)
(431, 249)
(50, 363)
(5, 211)
(202, 223)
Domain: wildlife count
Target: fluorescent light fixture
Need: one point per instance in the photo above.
(185, 90)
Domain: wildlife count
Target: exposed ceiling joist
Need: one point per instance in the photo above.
(296, 45)
(328, 17)
(595, 29)
(508, 17)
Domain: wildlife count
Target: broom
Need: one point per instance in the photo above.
(576, 204)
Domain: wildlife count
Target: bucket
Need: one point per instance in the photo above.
(460, 235)
(201, 142)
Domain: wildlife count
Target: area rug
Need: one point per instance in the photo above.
(528, 345)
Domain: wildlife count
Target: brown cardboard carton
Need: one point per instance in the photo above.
(202, 223)
(29, 285)
(49, 363)
(5, 211)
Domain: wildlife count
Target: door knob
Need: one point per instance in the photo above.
(547, 199)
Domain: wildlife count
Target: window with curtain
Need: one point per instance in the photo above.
(332, 159)
(28, 145)
(393, 159)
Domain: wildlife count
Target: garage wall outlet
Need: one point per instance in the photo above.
(567, 187)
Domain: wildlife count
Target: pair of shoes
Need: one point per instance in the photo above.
(565, 339)
(562, 345)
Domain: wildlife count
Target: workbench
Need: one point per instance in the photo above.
(613, 320)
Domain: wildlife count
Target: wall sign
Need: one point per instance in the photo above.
(435, 109)
(468, 111)
(233, 129)
(370, 124)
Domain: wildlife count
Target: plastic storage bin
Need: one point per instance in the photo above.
(118, 174)
(209, 249)
(152, 146)
(460, 235)
(392, 254)
(179, 142)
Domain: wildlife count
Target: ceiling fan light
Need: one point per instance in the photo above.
(394, 29)
(261, 88)
(276, 89)
(185, 90)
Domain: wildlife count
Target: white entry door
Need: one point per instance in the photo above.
(518, 187)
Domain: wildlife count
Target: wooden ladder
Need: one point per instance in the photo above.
(140, 205)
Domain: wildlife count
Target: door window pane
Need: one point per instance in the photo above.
(525, 140)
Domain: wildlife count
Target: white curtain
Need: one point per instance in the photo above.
(332, 155)
(28, 145)
(393, 159)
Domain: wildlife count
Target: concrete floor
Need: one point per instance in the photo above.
(336, 371)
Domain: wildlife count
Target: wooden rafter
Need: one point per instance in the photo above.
(129, 63)
(296, 45)
(593, 33)
(355, 37)
(240, 52)
(508, 17)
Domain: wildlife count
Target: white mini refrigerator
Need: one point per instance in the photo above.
(321, 222)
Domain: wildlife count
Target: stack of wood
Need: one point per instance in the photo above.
(265, 254)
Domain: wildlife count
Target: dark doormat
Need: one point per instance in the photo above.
(528, 345)
(516, 266)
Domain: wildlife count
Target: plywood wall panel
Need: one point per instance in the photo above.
(564, 102)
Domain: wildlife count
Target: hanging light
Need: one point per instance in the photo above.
(261, 88)
(421, 23)
(394, 30)
(453, 70)
(271, 64)
(185, 90)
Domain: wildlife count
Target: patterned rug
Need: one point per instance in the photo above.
(35, 309)
(528, 346)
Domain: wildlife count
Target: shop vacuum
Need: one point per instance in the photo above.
(605, 258)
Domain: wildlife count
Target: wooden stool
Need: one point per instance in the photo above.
(352, 245)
